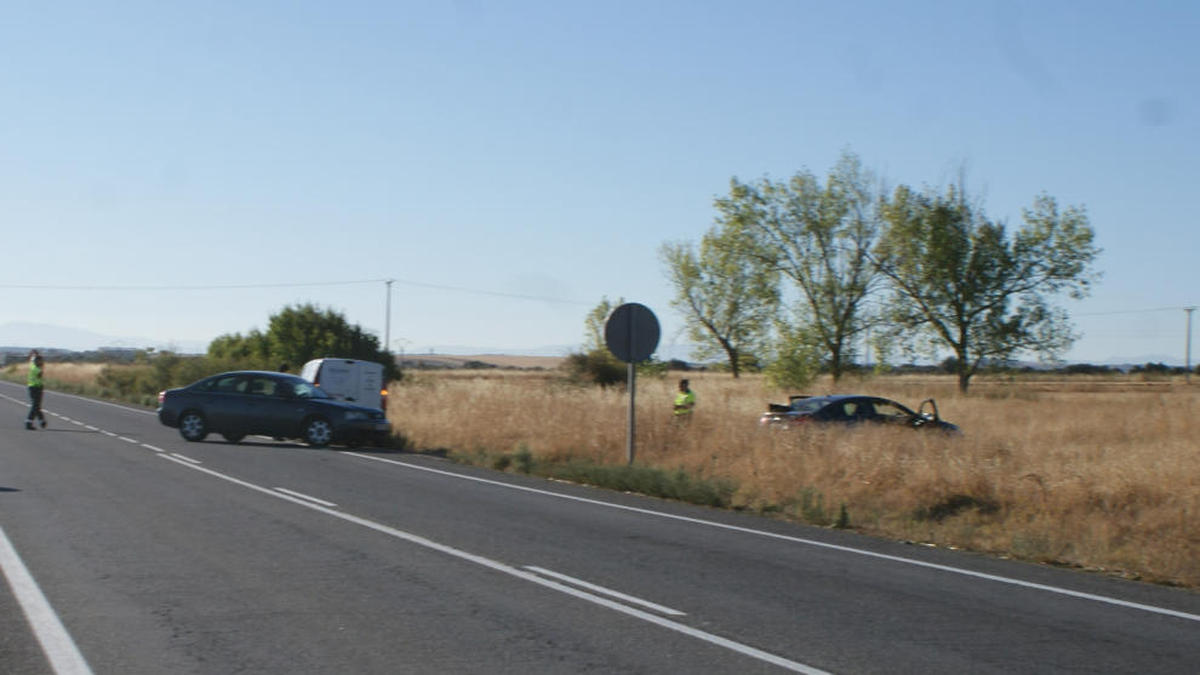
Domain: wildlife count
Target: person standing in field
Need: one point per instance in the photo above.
(36, 388)
(685, 402)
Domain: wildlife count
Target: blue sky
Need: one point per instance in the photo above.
(510, 164)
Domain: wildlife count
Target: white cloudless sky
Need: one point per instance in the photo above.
(176, 171)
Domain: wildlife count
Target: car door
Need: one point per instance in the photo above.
(224, 401)
(269, 409)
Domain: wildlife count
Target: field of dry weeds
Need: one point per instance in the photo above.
(1101, 473)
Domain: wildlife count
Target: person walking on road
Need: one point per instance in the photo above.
(36, 388)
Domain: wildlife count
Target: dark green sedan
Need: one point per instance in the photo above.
(241, 403)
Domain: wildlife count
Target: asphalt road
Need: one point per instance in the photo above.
(128, 550)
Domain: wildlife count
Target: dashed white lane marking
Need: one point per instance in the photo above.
(185, 458)
(64, 656)
(661, 609)
(744, 649)
(310, 498)
(800, 540)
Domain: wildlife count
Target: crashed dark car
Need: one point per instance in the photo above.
(853, 409)
(240, 403)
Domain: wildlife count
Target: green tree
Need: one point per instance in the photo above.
(596, 364)
(298, 334)
(819, 236)
(727, 296)
(960, 281)
(797, 359)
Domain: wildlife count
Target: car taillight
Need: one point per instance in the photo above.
(162, 396)
(383, 399)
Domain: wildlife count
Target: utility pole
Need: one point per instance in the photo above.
(1187, 376)
(387, 323)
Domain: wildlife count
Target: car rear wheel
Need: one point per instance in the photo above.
(192, 426)
(317, 432)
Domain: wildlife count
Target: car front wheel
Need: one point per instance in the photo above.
(318, 432)
(192, 426)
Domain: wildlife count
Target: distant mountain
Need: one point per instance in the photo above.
(20, 335)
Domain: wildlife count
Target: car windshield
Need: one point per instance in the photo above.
(302, 388)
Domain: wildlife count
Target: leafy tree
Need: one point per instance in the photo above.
(596, 364)
(298, 334)
(797, 359)
(252, 350)
(728, 297)
(962, 282)
(820, 237)
(594, 322)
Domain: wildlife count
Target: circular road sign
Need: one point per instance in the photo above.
(631, 332)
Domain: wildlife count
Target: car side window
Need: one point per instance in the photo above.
(232, 384)
(306, 390)
(891, 411)
(262, 386)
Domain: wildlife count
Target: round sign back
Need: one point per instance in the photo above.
(631, 332)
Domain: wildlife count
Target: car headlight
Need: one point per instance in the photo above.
(355, 415)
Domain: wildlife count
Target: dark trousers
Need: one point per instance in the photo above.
(35, 404)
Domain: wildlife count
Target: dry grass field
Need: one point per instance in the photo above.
(1102, 473)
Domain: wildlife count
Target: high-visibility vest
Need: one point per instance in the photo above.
(35, 374)
(684, 398)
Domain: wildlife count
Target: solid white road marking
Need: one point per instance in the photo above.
(520, 574)
(605, 591)
(800, 540)
(64, 656)
(310, 498)
(185, 458)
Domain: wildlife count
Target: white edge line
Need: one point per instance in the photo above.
(661, 609)
(521, 574)
(184, 458)
(810, 542)
(62, 652)
(310, 498)
(128, 408)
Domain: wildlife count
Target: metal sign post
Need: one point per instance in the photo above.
(631, 334)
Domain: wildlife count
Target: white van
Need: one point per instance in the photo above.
(359, 382)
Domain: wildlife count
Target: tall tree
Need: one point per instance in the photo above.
(819, 236)
(727, 296)
(298, 334)
(961, 281)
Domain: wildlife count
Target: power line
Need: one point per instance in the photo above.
(1131, 311)
(296, 284)
(199, 287)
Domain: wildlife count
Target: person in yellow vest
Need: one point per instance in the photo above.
(685, 402)
(35, 391)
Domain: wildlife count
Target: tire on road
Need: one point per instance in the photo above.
(317, 432)
(192, 426)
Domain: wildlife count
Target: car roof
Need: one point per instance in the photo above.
(270, 373)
